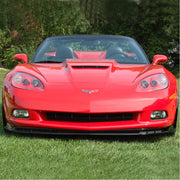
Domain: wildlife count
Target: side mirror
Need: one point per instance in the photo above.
(21, 58)
(159, 58)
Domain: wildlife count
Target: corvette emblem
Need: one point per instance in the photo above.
(90, 91)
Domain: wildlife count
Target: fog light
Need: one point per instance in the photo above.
(159, 115)
(20, 113)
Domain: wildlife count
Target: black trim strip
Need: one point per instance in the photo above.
(47, 131)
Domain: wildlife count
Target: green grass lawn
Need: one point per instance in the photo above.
(40, 157)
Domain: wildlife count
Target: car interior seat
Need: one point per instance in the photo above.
(64, 52)
(113, 50)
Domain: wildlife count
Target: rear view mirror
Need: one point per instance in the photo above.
(21, 58)
(159, 58)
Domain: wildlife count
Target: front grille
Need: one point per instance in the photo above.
(88, 117)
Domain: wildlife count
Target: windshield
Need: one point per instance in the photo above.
(58, 49)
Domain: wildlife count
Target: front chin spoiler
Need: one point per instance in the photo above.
(123, 132)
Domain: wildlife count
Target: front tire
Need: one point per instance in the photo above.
(4, 121)
(172, 129)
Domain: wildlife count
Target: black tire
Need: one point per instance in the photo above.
(172, 129)
(4, 121)
(175, 120)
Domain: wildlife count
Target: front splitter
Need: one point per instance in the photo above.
(124, 132)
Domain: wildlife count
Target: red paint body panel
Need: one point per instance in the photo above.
(64, 94)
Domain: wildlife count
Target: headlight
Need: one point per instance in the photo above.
(153, 83)
(27, 81)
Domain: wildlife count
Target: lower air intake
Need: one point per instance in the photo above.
(88, 117)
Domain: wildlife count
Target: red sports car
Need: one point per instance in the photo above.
(90, 85)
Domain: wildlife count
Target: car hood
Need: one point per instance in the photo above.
(94, 73)
(94, 86)
(84, 71)
(90, 72)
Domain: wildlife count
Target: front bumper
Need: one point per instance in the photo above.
(141, 108)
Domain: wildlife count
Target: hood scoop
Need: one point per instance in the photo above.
(91, 73)
(78, 64)
(89, 67)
